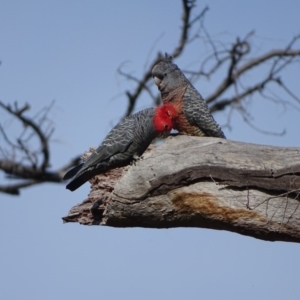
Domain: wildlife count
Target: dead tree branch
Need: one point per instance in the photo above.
(278, 63)
(27, 159)
(145, 83)
(240, 64)
(202, 182)
(235, 63)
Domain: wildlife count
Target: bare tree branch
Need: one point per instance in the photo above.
(14, 189)
(18, 113)
(21, 161)
(142, 84)
(188, 6)
(236, 73)
(237, 62)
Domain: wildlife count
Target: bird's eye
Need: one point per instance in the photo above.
(166, 126)
(157, 80)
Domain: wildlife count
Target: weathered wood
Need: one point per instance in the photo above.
(202, 182)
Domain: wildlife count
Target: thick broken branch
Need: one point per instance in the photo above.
(202, 182)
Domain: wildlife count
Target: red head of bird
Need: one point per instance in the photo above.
(163, 118)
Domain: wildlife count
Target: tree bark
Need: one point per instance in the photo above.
(201, 182)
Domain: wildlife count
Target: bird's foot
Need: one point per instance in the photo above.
(136, 158)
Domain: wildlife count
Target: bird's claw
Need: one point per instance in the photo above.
(136, 158)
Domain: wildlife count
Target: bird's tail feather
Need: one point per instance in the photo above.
(71, 173)
(79, 181)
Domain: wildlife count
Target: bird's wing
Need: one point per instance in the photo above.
(198, 113)
(117, 141)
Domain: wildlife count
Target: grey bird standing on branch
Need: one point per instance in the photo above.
(193, 116)
(125, 142)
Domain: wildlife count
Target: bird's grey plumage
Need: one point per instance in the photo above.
(126, 140)
(197, 112)
(194, 116)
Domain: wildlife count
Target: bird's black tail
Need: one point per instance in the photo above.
(71, 173)
(82, 177)
(79, 180)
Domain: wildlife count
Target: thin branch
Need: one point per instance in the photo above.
(187, 24)
(139, 82)
(222, 104)
(14, 189)
(288, 91)
(6, 139)
(234, 74)
(31, 156)
(132, 97)
(28, 122)
(276, 197)
(19, 170)
(32, 173)
(266, 132)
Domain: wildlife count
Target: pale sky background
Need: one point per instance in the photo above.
(69, 51)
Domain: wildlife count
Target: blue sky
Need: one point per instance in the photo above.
(70, 51)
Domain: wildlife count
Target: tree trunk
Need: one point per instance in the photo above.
(201, 182)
